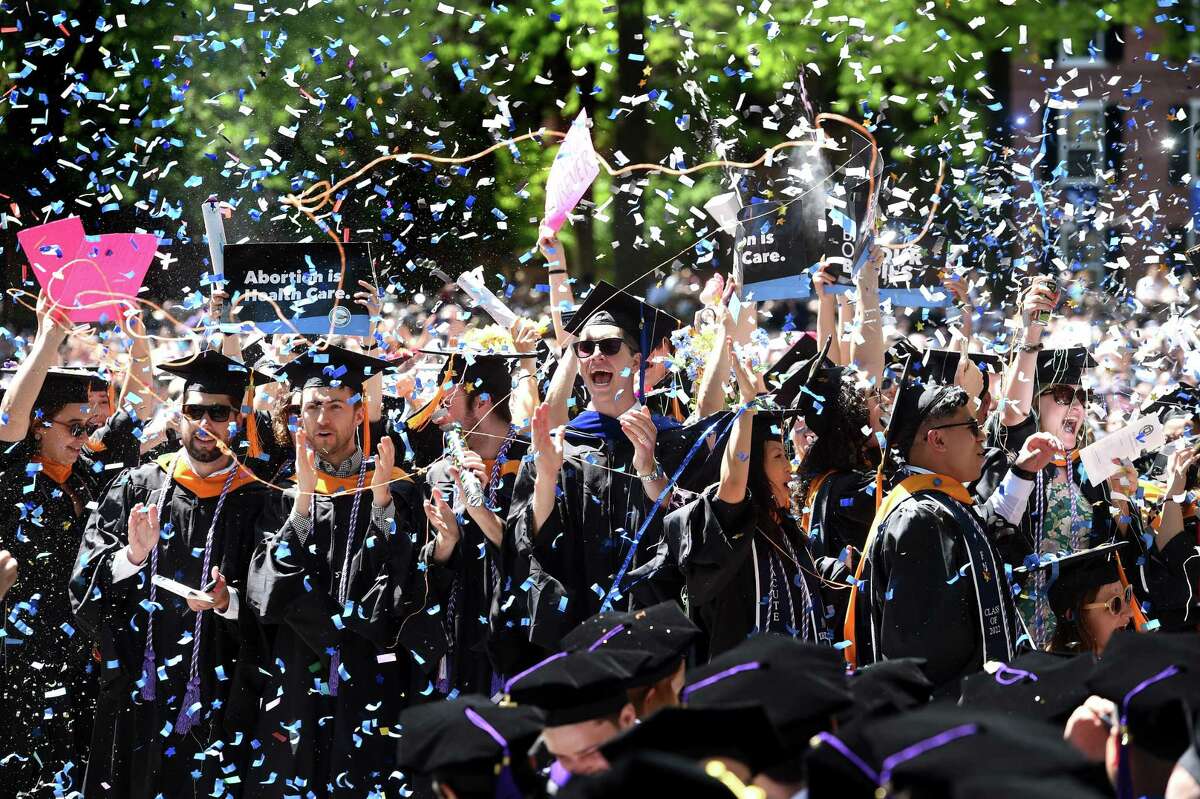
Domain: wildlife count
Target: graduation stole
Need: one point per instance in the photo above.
(989, 587)
(58, 472)
(330, 486)
(204, 487)
(1062, 462)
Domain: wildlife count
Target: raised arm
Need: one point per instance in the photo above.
(866, 342)
(1170, 524)
(735, 462)
(827, 312)
(711, 396)
(524, 398)
(560, 285)
(1018, 380)
(52, 330)
(561, 387)
(140, 377)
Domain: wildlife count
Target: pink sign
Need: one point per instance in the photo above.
(573, 170)
(93, 277)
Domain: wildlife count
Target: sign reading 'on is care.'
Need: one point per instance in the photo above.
(300, 287)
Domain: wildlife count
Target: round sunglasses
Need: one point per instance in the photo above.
(1115, 605)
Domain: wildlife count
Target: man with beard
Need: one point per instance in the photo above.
(347, 639)
(166, 721)
(482, 613)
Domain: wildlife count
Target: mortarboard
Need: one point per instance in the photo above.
(914, 400)
(1019, 786)
(1181, 401)
(742, 733)
(926, 752)
(1190, 761)
(940, 366)
(332, 366)
(803, 349)
(662, 631)
(646, 775)
(577, 686)
(807, 386)
(1070, 577)
(1154, 679)
(605, 304)
(487, 374)
(211, 372)
(66, 384)
(1064, 366)
(1037, 685)
(801, 685)
(459, 736)
(887, 687)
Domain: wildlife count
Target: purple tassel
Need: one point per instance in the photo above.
(148, 673)
(190, 697)
(335, 665)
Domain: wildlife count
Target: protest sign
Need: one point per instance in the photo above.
(574, 168)
(285, 288)
(93, 277)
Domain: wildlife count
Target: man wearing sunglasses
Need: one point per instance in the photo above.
(168, 663)
(581, 502)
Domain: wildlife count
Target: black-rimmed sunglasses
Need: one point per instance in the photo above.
(607, 346)
(973, 424)
(1064, 394)
(216, 413)
(76, 429)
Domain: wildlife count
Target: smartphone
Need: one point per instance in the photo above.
(1043, 317)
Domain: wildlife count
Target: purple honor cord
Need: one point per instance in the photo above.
(191, 696)
(335, 661)
(149, 671)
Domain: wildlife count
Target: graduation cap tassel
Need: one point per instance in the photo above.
(1124, 771)
(506, 784)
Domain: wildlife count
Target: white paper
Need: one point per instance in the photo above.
(179, 589)
(214, 229)
(472, 283)
(1128, 443)
(724, 208)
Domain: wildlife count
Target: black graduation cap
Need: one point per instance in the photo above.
(914, 400)
(608, 305)
(578, 686)
(487, 373)
(213, 373)
(332, 366)
(1019, 786)
(808, 386)
(741, 733)
(887, 687)
(66, 384)
(662, 631)
(899, 352)
(802, 350)
(1190, 761)
(1036, 685)
(648, 774)
(928, 751)
(1181, 401)
(1070, 577)
(1064, 366)
(452, 735)
(940, 366)
(801, 685)
(1154, 679)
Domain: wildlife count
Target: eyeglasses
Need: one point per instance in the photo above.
(1116, 605)
(76, 429)
(607, 346)
(217, 413)
(1064, 394)
(973, 424)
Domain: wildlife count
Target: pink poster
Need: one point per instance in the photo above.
(573, 170)
(94, 277)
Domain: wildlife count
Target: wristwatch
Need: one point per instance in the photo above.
(657, 474)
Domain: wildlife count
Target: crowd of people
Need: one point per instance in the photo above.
(602, 552)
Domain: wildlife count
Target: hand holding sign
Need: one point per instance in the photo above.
(573, 170)
(91, 279)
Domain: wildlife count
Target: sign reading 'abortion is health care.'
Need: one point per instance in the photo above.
(283, 288)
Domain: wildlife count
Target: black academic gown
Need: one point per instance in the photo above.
(576, 555)
(48, 677)
(470, 584)
(137, 750)
(742, 580)
(843, 508)
(387, 642)
(1158, 575)
(921, 592)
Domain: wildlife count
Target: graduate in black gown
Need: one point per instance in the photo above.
(581, 504)
(168, 719)
(482, 610)
(747, 565)
(48, 677)
(931, 583)
(340, 601)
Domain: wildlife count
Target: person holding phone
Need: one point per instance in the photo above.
(168, 663)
